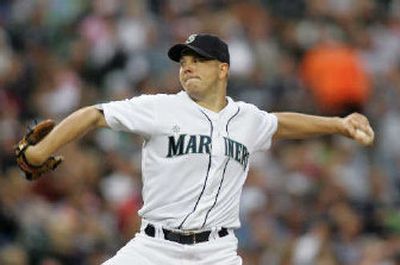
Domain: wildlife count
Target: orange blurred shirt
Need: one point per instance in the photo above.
(336, 77)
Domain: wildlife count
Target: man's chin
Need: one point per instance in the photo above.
(193, 91)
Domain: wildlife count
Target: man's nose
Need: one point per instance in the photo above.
(188, 67)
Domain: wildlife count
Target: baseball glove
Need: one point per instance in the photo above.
(35, 135)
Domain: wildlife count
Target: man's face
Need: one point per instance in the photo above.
(198, 75)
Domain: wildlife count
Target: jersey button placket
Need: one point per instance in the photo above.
(217, 138)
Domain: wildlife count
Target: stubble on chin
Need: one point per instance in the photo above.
(193, 92)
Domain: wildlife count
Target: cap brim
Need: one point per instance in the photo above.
(175, 52)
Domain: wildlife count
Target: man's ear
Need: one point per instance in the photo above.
(224, 70)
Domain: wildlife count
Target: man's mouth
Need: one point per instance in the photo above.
(191, 78)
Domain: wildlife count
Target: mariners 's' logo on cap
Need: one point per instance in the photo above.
(191, 38)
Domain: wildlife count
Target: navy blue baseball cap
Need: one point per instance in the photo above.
(206, 45)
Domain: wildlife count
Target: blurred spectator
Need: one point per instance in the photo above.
(336, 77)
(13, 255)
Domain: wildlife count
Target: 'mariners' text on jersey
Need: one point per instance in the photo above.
(197, 144)
(188, 144)
(237, 151)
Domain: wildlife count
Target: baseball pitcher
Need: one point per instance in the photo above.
(197, 147)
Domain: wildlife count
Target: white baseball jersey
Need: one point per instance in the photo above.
(194, 161)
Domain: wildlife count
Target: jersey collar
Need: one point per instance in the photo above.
(228, 110)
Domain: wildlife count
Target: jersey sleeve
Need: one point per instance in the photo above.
(134, 115)
(266, 126)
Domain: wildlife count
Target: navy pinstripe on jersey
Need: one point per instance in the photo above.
(207, 174)
(223, 173)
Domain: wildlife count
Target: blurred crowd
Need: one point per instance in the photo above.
(324, 201)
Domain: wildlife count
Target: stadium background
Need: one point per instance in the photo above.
(324, 201)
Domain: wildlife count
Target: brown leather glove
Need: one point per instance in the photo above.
(35, 135)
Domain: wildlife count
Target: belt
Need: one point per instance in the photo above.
(188, 238)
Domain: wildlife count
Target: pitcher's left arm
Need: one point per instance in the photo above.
(292, 125)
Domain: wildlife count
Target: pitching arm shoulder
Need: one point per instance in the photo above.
(299, 126)
(71, 128)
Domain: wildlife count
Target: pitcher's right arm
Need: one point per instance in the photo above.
(71, 128)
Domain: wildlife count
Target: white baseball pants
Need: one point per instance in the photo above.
(146, 250)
